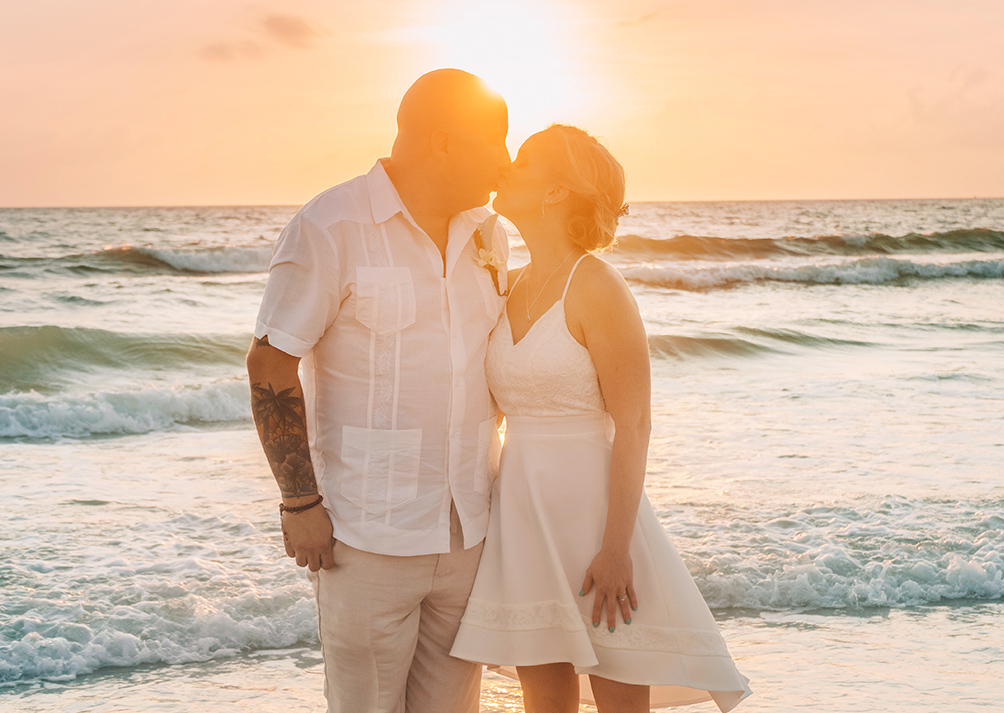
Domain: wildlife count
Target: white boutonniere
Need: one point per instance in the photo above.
(488, 257)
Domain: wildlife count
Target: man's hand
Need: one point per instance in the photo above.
(308, 537)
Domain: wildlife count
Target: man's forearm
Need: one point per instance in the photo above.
(280, 416)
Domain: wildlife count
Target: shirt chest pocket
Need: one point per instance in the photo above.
(385, 298)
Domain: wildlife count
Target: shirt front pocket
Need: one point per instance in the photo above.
(381, 467)
(385, 298)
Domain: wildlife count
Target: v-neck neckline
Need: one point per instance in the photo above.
(512, 337)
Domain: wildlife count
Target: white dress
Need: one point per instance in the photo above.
(547, 517)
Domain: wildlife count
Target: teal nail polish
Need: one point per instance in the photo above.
(596, 624)
(627, 621)
(582, 592)
(611, 630)
(634, 608)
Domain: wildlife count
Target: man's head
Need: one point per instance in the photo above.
(451, 130)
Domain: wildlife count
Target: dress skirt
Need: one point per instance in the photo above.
(546, 525)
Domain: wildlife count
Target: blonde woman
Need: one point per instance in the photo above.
(579, 590)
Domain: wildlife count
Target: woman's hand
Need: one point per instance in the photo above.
(612, 576)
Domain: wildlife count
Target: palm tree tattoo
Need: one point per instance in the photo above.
(282, 425)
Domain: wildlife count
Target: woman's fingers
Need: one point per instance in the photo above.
(598, 609)
(612, 613)
(587, 584)
(624, 604)
(607, 599)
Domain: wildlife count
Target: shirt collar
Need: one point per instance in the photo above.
(385, 202)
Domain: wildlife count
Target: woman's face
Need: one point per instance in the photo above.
(525, 185)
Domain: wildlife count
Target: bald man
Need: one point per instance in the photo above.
(385, 451)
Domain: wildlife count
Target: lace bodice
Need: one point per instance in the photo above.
(547, 373)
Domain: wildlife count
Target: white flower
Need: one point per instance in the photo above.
(488, 258)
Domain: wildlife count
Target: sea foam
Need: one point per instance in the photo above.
(195, 588)
(896, 553)
(31, 415)
(182, 589)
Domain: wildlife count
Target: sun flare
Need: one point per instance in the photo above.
(524, 50)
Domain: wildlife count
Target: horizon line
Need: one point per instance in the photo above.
(640, 202)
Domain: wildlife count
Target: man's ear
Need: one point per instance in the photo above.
(439, 143)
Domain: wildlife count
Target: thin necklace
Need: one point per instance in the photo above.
(529, 305)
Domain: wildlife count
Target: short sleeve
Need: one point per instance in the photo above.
(301, 297)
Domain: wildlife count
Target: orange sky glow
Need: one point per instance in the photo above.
(230, 102)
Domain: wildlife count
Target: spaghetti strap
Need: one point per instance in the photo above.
(512, 287)
(570, 273)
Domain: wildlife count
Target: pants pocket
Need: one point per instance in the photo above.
(381, 467)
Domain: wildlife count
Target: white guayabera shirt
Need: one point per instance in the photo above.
(398, 411)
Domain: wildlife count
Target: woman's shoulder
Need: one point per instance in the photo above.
(599, 295)
(597, 279)
(599, 302)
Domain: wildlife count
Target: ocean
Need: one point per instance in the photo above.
(827, 454)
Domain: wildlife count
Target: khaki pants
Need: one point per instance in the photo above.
(387, 625)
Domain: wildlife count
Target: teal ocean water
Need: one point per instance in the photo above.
(828, 453)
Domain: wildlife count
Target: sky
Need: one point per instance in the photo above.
(230, 102)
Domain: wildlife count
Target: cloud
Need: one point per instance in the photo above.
(289, 31)
(230, 51)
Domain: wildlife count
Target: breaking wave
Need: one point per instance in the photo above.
(32, 415)
(33, 357)
(131, 259)
(690, 247)
(866, 271)
(749, 341)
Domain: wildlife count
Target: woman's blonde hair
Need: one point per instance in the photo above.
(595, 180)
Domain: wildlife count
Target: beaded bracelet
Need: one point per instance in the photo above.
(299, 508)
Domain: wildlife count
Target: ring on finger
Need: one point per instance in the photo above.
(622, 598)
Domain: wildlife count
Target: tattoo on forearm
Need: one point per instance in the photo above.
(282, 427)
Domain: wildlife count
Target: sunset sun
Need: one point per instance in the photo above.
(527, 51)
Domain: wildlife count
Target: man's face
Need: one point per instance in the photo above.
(478, 159)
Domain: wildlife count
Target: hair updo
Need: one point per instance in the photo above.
(595, 180)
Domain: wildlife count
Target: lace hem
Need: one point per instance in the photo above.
(684, 642)
(536, 616)
(523, 617)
